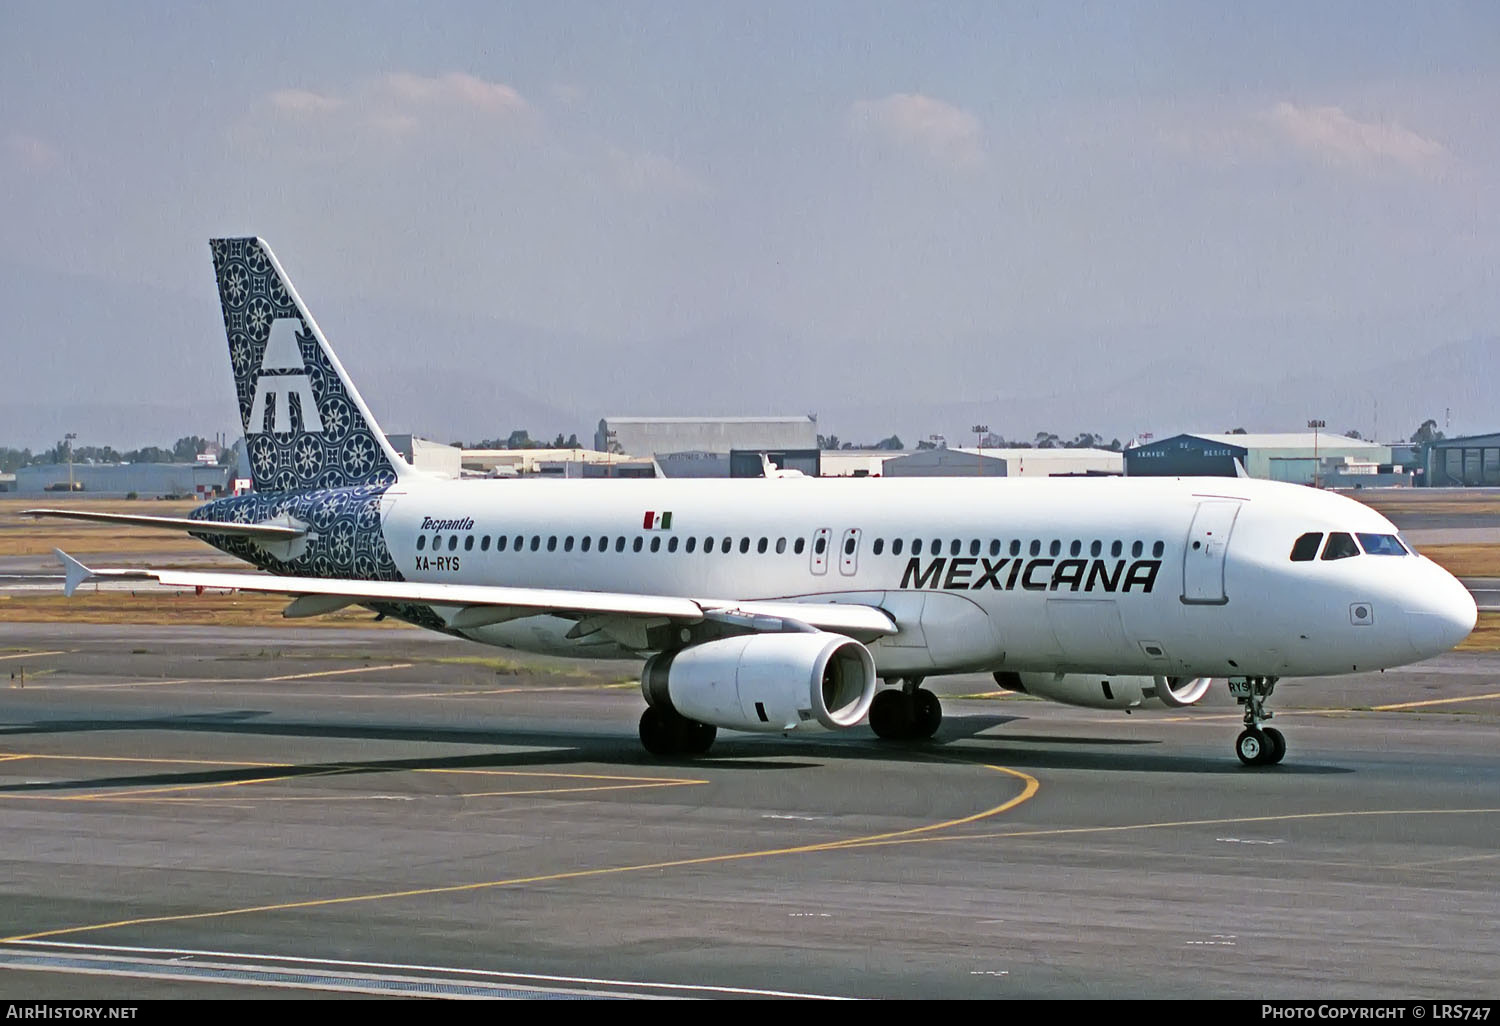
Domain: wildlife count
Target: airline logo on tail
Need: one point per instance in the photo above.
(276, 387)
(305, 425)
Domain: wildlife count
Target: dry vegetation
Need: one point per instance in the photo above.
(159, 606)
(1466, 560)
(1486, 636)
(30, 536)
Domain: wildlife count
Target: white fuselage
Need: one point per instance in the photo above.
(1160, 576)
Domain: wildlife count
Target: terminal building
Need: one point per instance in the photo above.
(1298, 457)
(1469, 462)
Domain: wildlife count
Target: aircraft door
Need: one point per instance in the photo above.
(1207, 545)
(849, 552)
(820, 550)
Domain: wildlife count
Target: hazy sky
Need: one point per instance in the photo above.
(1110, 184)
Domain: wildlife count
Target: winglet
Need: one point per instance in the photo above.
(76, 572)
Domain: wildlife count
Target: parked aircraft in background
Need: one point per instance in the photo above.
(780, 605)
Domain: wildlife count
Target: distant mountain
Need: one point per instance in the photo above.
(130, 366)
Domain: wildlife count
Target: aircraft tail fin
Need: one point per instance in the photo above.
(305, 424)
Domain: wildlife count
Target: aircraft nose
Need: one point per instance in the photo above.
(1442, 616)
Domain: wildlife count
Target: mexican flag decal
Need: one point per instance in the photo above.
(657, 522)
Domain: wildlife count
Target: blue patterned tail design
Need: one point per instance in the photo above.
(305, 425)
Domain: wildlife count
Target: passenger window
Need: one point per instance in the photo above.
(568, 543)
(1340, 546)
(780, 546)
(620, 544)
(1036, 547)
(1135, 550)
(849, 546)
(708, 544)
(878, 547)
(1096, 548)
(692, 543)
(520, 542)
(484, 544)
(974, 547)
(672, 544)
(500, 543)
(635, 546)
(799, 545)
(994, 546)
(937, 547)
(552, 543)
(421, 542)
(452, 542)
(916, 546)
(744, 545)
(1075, 548)
(724, 545)
(536, 542)
(1055, 548)
(468, 543)
(896, 546)
(1015, 547)
(604, 543)
(762, 545)
(820, 545)
(1157, 549)
(1116, 548)
(1381, 545)
(585, 543)
(656, 543)
(1305, 548)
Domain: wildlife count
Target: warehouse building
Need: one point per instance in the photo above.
(118, 480)
(429, 456)
(1469, 462)
(1004, 463)
(650, 436)
(1299, 457)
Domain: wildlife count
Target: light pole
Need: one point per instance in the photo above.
(979, 433)
(1315, 424)
(68, 438)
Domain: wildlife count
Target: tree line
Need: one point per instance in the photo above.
(184, 450)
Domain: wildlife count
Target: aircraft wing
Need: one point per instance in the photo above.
(262, 531)
(475, 605)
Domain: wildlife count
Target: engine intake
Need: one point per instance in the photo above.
(1102, 691)
(771, 683)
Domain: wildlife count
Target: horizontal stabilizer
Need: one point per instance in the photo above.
(264, 532)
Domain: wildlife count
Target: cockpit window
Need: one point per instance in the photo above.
(1381, 545)
(1340, 546)
(1305, 549)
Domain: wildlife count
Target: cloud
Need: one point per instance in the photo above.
(1325, 133)
(32, 153)
(910, 121)
(390, 109)
(1332, 134)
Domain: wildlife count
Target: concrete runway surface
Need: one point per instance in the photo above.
(315, 812)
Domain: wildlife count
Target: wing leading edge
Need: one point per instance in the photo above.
(481, 603)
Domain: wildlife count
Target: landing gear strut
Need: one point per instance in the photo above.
(911, 714)
(667, 732)
(1257, 745)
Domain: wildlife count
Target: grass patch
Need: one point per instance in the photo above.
(1486, 636)
(168, 608)
(1466, 560)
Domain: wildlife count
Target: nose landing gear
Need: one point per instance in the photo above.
(1257, 745)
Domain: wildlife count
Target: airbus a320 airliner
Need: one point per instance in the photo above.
(780, 605)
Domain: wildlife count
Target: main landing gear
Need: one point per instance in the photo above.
(1257, 745)
(667, 732)
(910, 714)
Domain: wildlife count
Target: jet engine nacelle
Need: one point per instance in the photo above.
(808, 681)
(1102, 691)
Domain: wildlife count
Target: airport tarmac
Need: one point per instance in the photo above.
(298, 812)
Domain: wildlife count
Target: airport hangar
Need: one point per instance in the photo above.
(1298, 457)
(1472, 461)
